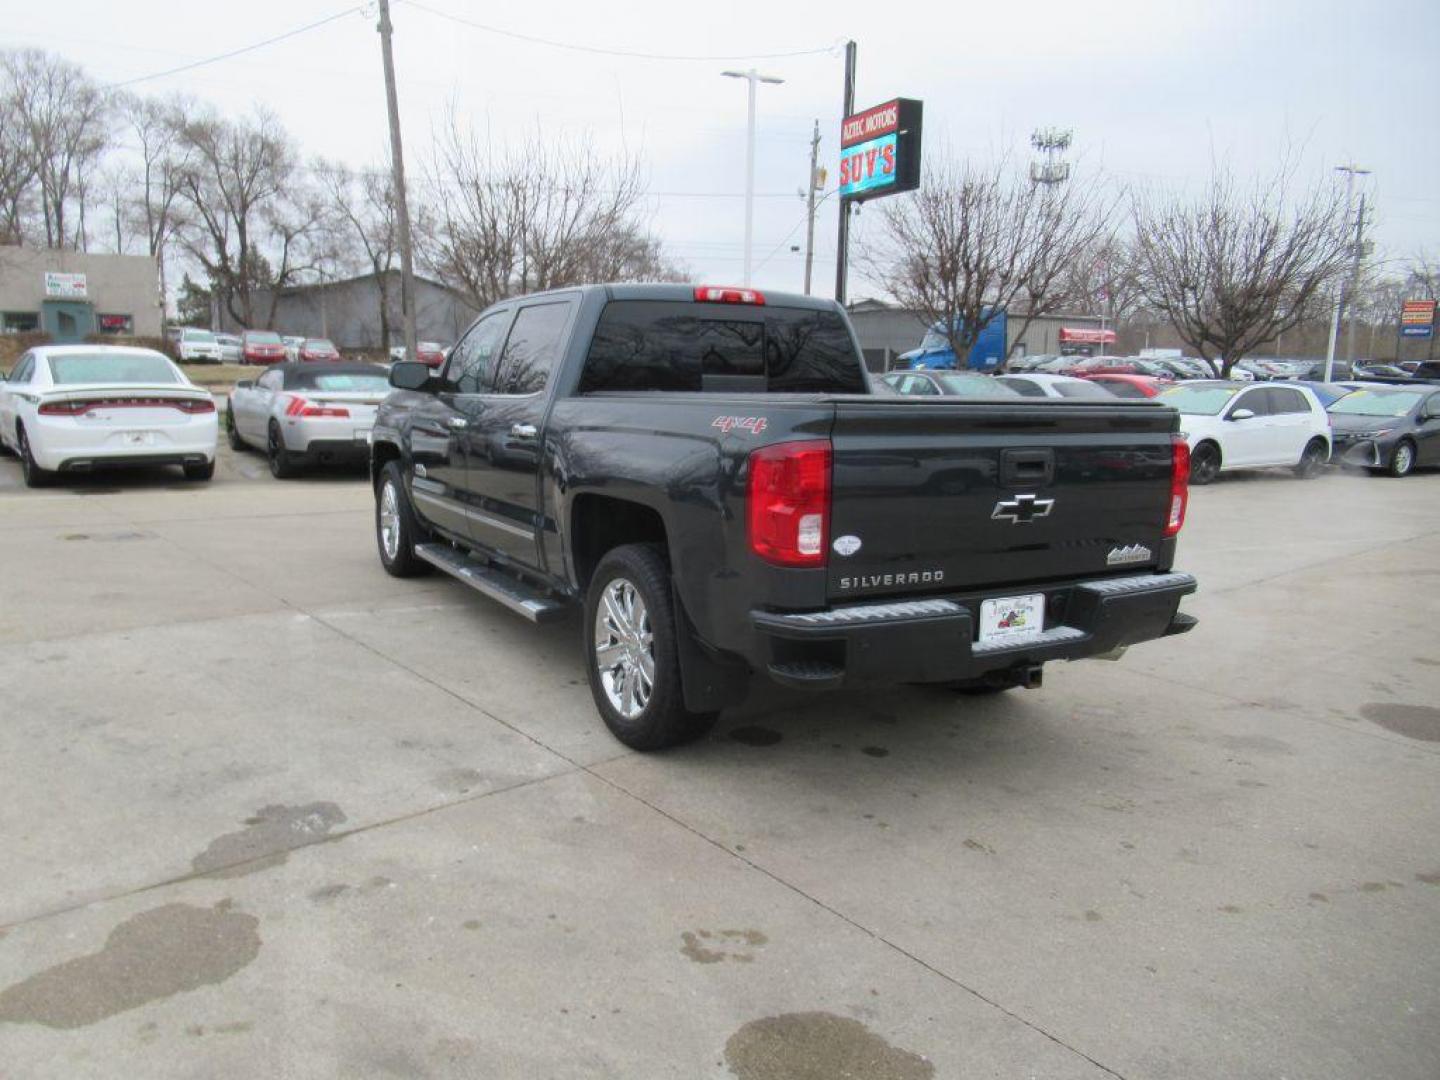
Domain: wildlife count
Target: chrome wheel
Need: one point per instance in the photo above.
(1404, 459)
(624, 648)
(389, 521)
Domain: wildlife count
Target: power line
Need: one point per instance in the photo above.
(240, 51)
(627, 53)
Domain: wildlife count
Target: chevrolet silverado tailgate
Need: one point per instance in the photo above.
(948, 496)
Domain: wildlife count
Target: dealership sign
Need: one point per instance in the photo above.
(880, 150)
(1077, 335)
(1417, 318)
(65, 286)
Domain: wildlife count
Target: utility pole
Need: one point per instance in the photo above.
(842, 249)
(752, 77)
(397, 165)
(1351, 171)
(1354, 290)
(810, 205)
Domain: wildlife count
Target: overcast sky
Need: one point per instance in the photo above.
(1154, 91)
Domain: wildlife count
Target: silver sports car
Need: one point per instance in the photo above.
(307, 414)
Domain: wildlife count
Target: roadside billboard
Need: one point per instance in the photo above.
(880, 150)
(1417, 318)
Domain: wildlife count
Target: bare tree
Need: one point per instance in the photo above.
(252, 215)
(17, 162)
(152, 204)
(1238, 267)
(545, 215)
(361, 209)
(1105, 280)
(979, 240)
(1422, 277)
(64, 115)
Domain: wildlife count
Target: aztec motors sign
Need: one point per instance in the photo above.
(880, 150)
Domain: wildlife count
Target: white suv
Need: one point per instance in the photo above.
(198, 345)
(1235, 426)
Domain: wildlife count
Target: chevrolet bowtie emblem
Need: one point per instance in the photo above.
(1021, 510)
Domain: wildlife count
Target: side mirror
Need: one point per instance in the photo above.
(411, 375)
(1241, 414)
(245, 384)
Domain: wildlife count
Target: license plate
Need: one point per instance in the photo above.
(1012, 618)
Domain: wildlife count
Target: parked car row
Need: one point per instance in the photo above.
(193, 345)
(1388, 428)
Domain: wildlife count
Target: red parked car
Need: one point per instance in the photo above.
(261, 347)
(1128, 386)
(319, 349)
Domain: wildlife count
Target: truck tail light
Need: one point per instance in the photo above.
(727, 294)
(298, 406)
(789, 502)
(1179, 484)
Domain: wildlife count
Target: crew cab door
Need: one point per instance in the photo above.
(440, 424)
(504, 432)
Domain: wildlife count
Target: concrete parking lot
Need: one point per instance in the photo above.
(269, 812)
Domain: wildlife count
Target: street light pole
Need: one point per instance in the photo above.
(1351, 171)
(752, 77)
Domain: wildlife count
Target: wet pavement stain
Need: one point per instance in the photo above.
(1231, 909)
(711, 947)
(753, 735)
(148, 957)
(110, 536)
(818, 1046)
(875, 751)
(1319, 897)
(1093, 916)
(326, 893)
(1432, 878)
(1413, 721)
(268, 839)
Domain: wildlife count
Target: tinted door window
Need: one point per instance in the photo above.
(533, 348)
(471, 367)
(1024, 387)
(24, 371)
(270, 380)
(1284, 400)
(917, 385)
(1255, 401)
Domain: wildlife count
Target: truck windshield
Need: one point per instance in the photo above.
(684, 346)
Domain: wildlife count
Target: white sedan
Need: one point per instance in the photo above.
(74, 408)
(1038, 384)
(1230, 425)
(307, 414)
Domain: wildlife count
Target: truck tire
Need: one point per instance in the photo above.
(632, 654)
(396, 529)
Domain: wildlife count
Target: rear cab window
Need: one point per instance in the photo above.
(690, 347)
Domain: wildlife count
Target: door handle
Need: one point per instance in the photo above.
(458, 422)
(523, 431)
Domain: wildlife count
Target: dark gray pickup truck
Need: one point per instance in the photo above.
(706, 471)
